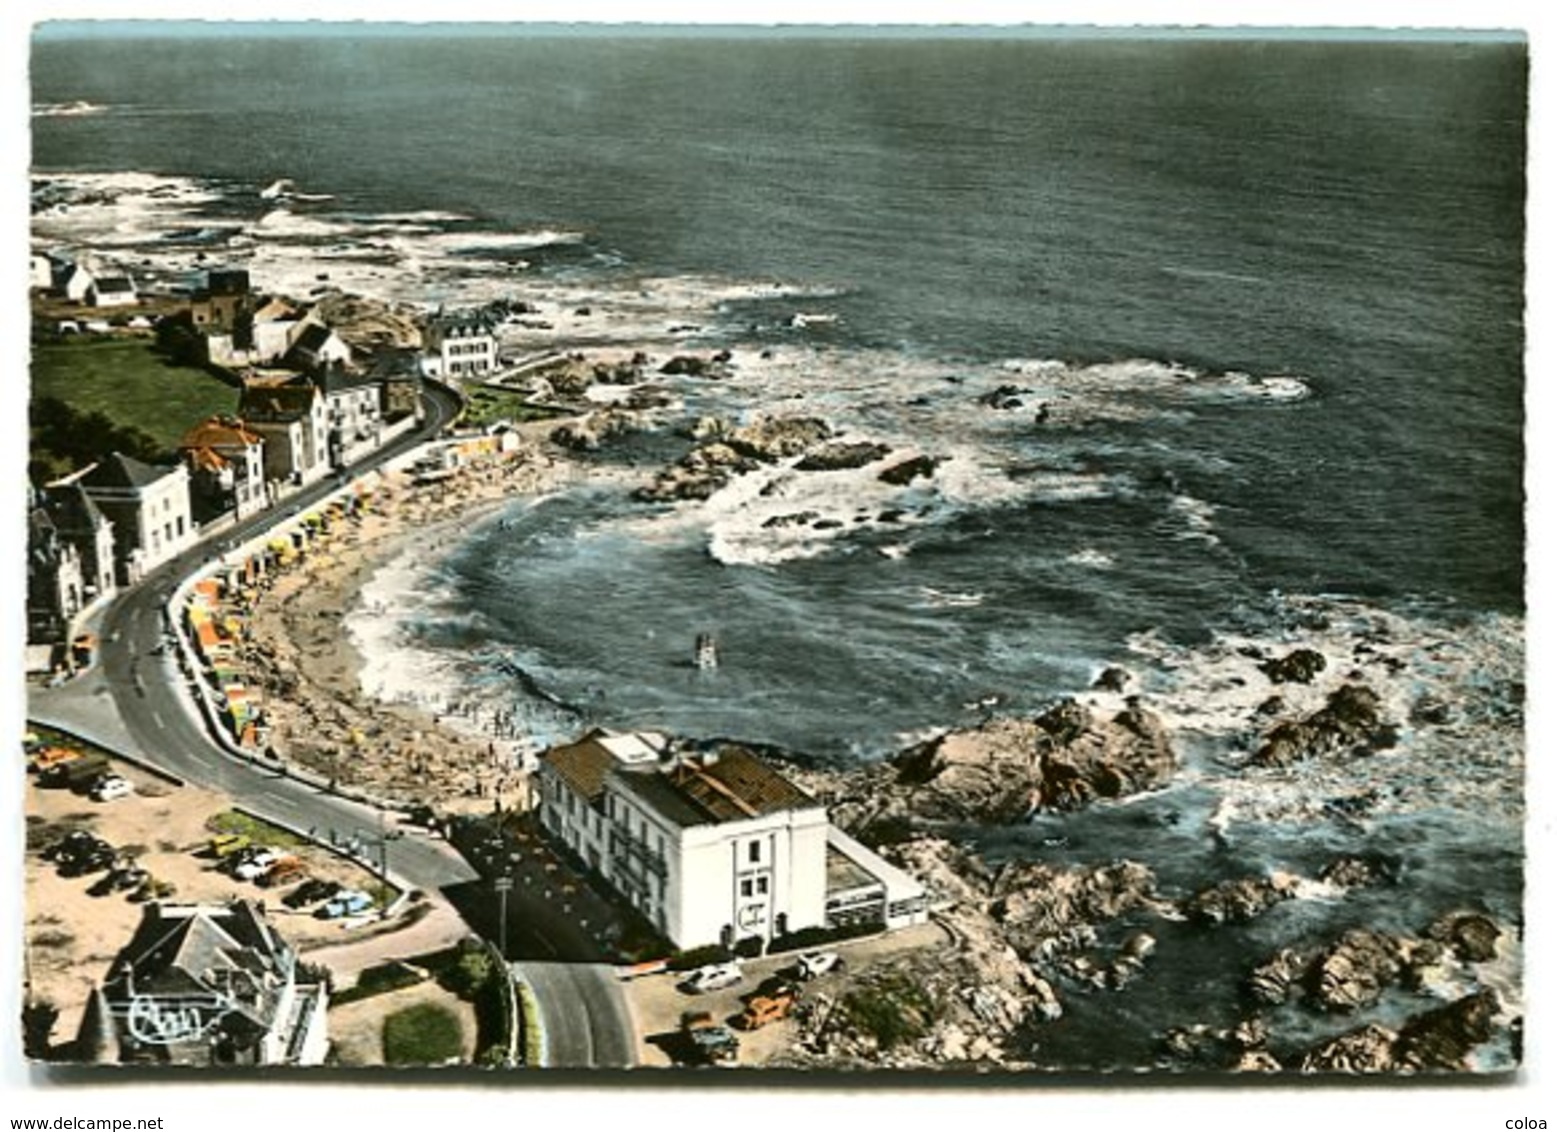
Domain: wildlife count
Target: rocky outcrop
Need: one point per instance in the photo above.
(1113, 679)
(1471, 936)
(1354, 972)
(1083, 756)
(1239, 1048)
(1274, 981)
(587, 433)
(1360, 871)
(1298, 667)
(905, 472)
(841, 455)
(776, 438)
(690, 365)
(697, 475)
(1443, 1039)
(369, 325)
(1235, 901)
(1438, 1040)
(1370, 1049)
(1350, 724)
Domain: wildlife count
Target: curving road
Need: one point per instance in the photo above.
(134, 700)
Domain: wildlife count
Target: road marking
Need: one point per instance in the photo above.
(202, 760)
(157, 719)
(279, 799)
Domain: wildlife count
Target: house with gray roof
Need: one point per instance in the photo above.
(206, 984)
(149, 507)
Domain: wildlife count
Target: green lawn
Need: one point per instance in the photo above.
(426, 1034)
(126, 381)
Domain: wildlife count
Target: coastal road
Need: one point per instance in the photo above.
(134, 697)
(583, 1015)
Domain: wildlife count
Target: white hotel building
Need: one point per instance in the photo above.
(715, 847)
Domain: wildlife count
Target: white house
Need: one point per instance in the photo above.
(354, 407)
(317, 346)
(716, 846)
(73, 280)
(40, 271)
(149, 507)
(460, 345)
(292, 419)
(112, 291)
(206, 984)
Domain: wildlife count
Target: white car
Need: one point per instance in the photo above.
(712, 977)
(111, 787)
(814, 964)
(257, 865)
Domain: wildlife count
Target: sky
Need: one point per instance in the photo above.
(239, 1107)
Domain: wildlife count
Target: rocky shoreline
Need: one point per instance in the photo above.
(1035, 939)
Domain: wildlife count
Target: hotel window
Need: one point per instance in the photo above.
(746, 887)
(762, 886)
(754, 851)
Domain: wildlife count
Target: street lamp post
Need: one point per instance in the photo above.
(502, 885)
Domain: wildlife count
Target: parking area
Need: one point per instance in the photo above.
(75, 924)
(658, 1003)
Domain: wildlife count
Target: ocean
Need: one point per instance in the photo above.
(1198, 330)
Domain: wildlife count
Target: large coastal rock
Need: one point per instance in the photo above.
(1472, 936)
(1351, 723)
(1084, 756)
(697, 475)
(1370, 1049)
(841, 455)
(777, 438)
(1443, 1039)
(1438, 1040)
(587, 433)
(369, 324)
(905, 472)
(1354, 972)
(1241, 899)
(1299, 666)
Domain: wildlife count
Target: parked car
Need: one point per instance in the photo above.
(814, 964)
(90, 860)
(762, 1009)
(111, 787)
(256, 865)
(120, 879)
(153, 889)
(311, 892)
(51, 757)
(224, 845)
(707, 1042)
(348, 903)
(77, 774)
(712, 977)
(71, 844)
(287, 870)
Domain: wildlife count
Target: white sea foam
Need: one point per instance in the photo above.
(67, 109)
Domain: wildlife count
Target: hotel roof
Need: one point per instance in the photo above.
(732, 785)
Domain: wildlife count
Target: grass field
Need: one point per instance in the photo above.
(426, 1034)
(123, 379)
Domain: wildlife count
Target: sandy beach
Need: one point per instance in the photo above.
(298, 653)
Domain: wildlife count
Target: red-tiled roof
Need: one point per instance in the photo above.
(582, 765)
(220, 431)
